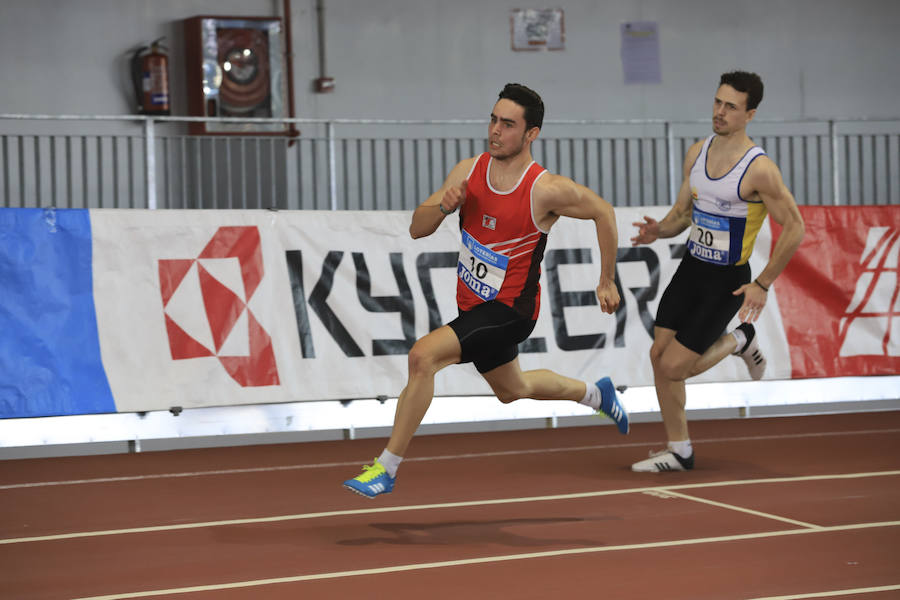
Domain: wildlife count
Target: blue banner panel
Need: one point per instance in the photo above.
(50, 360)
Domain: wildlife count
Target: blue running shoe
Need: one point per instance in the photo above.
(373, 481)
(610, 405)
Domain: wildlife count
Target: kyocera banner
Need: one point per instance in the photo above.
(129, 310)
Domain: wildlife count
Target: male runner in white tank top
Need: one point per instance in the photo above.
(729, 186)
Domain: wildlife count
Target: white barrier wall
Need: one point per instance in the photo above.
(126, 311)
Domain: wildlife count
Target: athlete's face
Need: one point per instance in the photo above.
(507, 133)
(730, 112)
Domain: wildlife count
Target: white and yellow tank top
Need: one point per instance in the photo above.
(724, 225)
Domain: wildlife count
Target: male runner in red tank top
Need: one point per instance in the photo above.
(507, 205)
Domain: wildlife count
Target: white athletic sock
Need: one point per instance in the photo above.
(684, 449)
(591, 397)
(741, 338)
(390, 462)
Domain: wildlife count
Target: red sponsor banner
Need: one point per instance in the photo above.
(839, 296)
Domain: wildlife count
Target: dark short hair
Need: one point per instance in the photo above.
(746, 82)
(528, 99)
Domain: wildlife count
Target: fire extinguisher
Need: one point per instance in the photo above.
(150, 76)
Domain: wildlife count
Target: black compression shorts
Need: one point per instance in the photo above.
(490, 334)
(698, 303)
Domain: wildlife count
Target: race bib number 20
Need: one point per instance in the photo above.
(481, 269)
(710, 238)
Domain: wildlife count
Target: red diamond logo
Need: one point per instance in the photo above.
(197, 303)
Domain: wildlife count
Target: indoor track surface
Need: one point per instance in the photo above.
(789, 507)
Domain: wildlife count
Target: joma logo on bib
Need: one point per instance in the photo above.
(481, 269)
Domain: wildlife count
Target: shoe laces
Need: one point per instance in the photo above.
(372, 471)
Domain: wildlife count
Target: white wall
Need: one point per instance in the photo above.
(437, 59)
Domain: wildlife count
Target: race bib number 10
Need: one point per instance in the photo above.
(480, 268)
(710, 238)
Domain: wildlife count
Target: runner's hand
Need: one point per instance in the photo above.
(648, 231)
(754, 301)
(608, 295)
(454, 197)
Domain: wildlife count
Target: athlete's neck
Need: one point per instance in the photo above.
(732, 142)
(505, 172)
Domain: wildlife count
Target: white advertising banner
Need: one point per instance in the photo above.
(210, 308)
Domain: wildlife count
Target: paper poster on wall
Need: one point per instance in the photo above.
(537, 29)
(640, 52)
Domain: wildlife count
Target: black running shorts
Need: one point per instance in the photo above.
(490, 334)
(698, 303)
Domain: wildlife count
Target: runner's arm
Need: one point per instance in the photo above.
(557, 196)
(768, 184)
(679, 216)
(764, 179)
(428, 216)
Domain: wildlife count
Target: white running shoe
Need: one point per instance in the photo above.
(663, 460)
(752, 355)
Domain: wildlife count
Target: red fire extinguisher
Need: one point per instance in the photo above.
(150, 76)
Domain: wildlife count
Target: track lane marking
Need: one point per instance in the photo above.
(420, 507)
(833, 593)
(489, 559)
(749, 511)
(356, 463)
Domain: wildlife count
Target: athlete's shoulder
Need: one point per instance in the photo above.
(552, 184)
(762, 176)
(694, 151)
(553, 193)
(698, 145)
(468, 163)
(693, 154)
(762, 166)
(461, 171)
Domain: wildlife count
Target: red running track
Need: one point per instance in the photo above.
(799, 507)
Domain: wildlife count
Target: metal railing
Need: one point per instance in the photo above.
(152, 162)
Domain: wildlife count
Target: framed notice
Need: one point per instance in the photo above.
(537, 29)
(235, 68)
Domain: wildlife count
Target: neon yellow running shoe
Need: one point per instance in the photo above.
(373, 481)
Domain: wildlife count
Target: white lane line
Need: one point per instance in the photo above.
(356, 463)
(420, 507)
(833, 593)
(743, 510)
(709, 484)
(486, 559)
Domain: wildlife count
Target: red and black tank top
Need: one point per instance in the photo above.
(501, 246)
